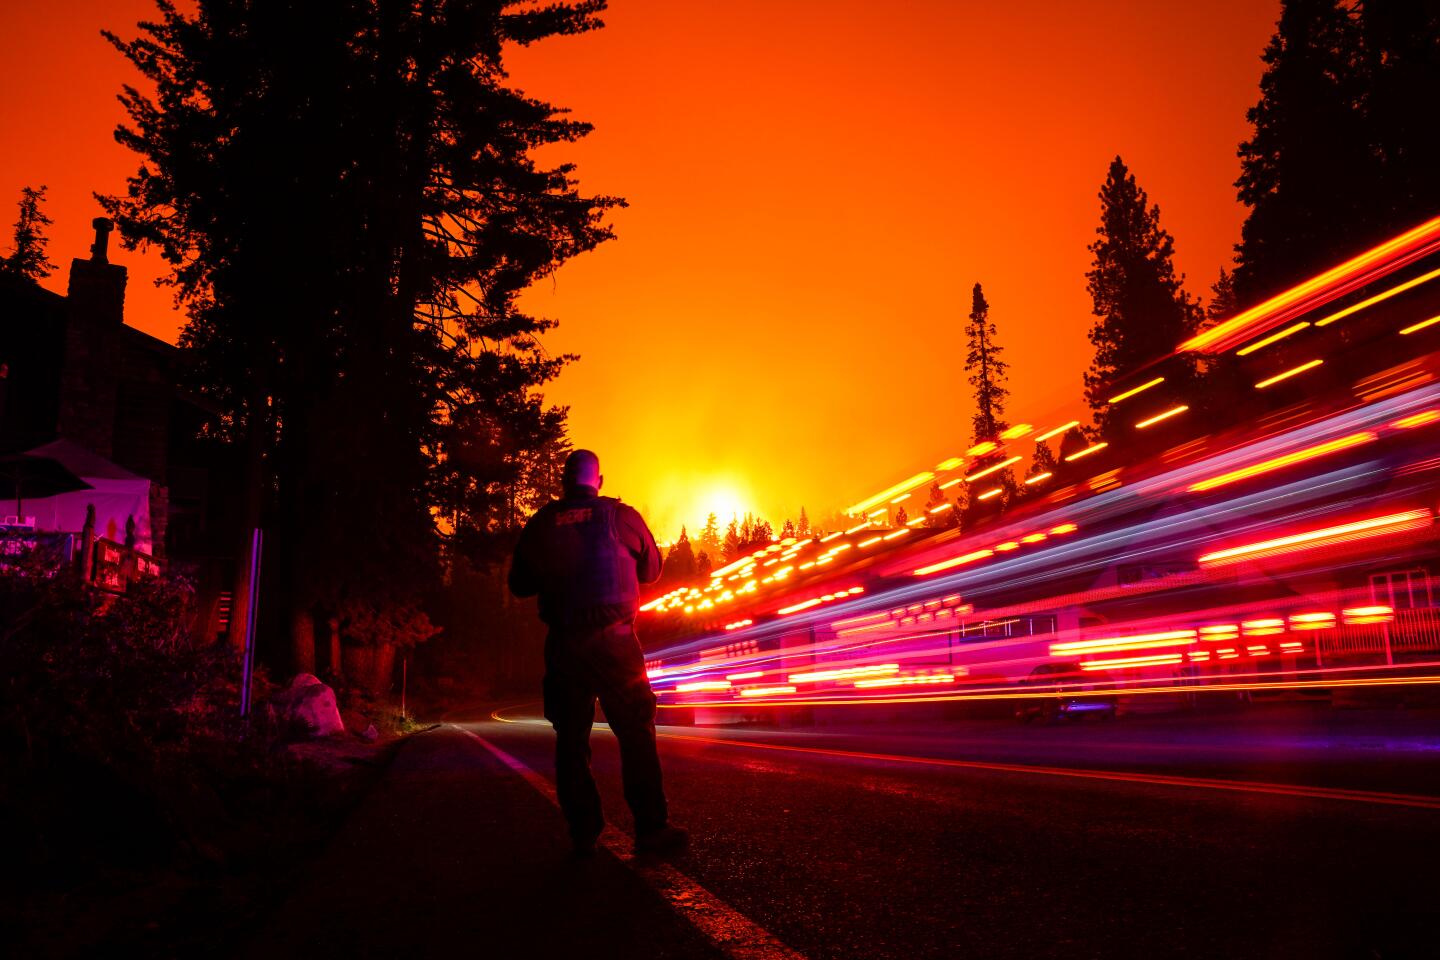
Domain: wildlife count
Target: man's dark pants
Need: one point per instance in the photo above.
(581, 665)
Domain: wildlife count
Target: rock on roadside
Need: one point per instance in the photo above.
(307, 708)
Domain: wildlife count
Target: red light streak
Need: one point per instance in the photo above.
(1155, 660)
(1420, 326)
(1093, 448)
(1294, 328)
(1275, 463)
(1172, 412)
(1294, 371)
(1056, 431)
(1383, 295)
(1373, 527)
(989, 470)
(1140, 389)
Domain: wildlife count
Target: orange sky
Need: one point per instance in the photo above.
(814, 187)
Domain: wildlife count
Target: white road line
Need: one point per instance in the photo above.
(734, 933)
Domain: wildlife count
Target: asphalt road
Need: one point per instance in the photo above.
(1297, 831)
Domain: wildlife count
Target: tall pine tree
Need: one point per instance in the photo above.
(988, 372)
(1308, 172)
(1143, 310)
(27, 255)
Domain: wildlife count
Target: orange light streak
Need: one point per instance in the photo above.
(1140, 389)
(897, 533)
(1420, 326)
(1038, 477)
(1271, 381)
(1094, 448)
(1373, 527)
(1056, 431)
(1294, 328)
(1172, 412)
(992, 492)
(1383, 295)
(1351, 270)
(955, 562)
(1275, 463)
(868, 542)
(942, 508)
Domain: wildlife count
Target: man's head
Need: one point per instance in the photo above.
(582, 469)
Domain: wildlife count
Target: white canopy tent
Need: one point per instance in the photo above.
(117, 495)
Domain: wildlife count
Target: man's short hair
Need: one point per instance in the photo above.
(582, 469)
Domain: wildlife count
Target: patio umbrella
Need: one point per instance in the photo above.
(23, 475)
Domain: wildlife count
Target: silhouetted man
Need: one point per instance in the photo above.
(585, 556)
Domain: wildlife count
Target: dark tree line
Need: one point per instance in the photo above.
(348, 198)
(27, 259)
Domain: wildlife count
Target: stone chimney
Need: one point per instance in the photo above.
(94, 327)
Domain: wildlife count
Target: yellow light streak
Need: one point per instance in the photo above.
(747, 675)
(765, 691)
(908, 484)
(1158, 660)
(858, 527)
(1140, 389)
(868, 542)
(1285, 460)
(991, 469)
(1094, 448)
(1383, 295)
(950, 483)
(903, 496)
(1417, 419)
(1420, 326)
(1172, 412)
(982, 448)
(702, 685)
(950, 464)
(955, 562)
(1038, 477)
(1058, 430)
(1259, 344)
(1288, 374)
(1017, 431)
(942, 508)
(897, 533)
(992, 492)
(844, 673)
(1167, 638)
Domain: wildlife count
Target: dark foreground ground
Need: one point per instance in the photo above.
(1279, 831)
